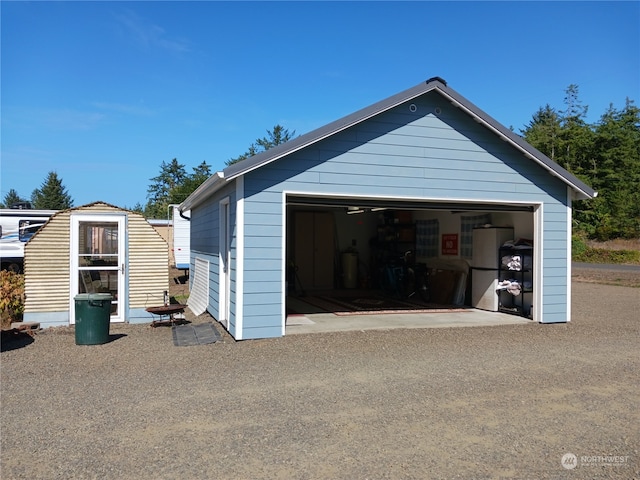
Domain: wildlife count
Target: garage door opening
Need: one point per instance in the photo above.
(366, 256)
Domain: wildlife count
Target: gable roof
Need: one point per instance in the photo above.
(436, 84)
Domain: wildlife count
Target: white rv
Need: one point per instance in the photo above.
(181, 238)
(17, 226)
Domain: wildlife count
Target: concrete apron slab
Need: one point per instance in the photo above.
(328, 322)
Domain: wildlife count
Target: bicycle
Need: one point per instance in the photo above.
(406, 279)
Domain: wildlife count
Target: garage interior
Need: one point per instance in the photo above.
(366, 256)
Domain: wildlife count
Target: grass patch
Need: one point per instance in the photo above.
(181, 298)
(601, 255)
(613, 253)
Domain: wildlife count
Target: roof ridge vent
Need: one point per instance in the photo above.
(438, 79)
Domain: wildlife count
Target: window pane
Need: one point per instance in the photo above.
(98, 239)
(27, 228)
(100, 281)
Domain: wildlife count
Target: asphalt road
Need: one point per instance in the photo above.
(607, 266)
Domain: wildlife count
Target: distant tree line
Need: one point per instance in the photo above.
(605, 155)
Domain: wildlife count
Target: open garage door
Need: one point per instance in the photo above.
(358, 255)
(398, 204)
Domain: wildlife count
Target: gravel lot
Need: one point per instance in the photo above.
(470, 403)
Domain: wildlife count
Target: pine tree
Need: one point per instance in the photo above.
(51, 195)
(616, 173)
(172, 174)
(543, 131)
(605, 155)
(576, 136)
(274, 137)
(11, 198)
(180, 192)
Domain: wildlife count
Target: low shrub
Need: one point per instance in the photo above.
(601, 255)
(578, 246)
(11, 297)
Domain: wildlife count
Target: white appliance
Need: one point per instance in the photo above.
(484, 265)
(181, 238)
(350, 269)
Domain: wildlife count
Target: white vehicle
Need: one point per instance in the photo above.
(181, 238)
(17, 226)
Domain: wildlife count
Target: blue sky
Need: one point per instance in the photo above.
(104, 92)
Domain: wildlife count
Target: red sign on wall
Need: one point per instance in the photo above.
(450, 244)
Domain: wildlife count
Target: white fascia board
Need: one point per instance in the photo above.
(239, 266)
(206, 189)
(569, 253)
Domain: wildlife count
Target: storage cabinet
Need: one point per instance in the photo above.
(515, 282)
(314, 249)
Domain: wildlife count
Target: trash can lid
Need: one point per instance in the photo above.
(93, 296)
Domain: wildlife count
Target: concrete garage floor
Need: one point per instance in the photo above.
(329, 322)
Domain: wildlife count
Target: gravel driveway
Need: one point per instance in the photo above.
(502, 402)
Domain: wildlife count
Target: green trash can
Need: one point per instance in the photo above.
(93, 316)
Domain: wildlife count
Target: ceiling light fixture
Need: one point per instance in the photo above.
(352, 210)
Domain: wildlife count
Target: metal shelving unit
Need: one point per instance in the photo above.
(515, 281)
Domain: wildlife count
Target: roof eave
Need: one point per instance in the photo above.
(204, 191)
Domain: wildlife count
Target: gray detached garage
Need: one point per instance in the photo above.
(95, 248)
(423, 181)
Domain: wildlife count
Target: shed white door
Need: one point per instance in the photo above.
(98, 260)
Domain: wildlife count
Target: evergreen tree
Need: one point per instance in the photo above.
(615, 173)
(11, 198)
(138, 208)
(51, 195)
(575, 136)
(173, 186)
(180, 192)
(171, 175)
(543, 131)
(605, 155)
(274, 137)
